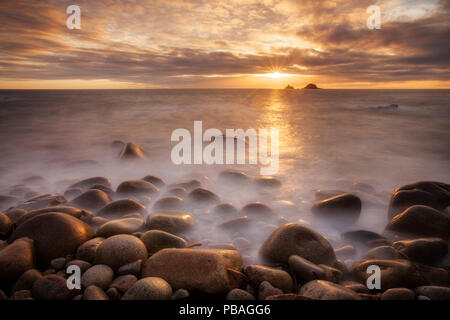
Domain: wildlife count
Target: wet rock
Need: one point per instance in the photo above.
(266, 289)
(149, 288)
(158, 182)
(256, 274)
(51, 287)
(203, 196)
(119, 208)
(331, 274)
(425, 250)
(46, 200)
(187, 185)
(58, 263)
(72, 193)
(83, 265)
(110, 192)
(123, 283)
(267, 182)
(177, 192)
(83, 215)
(26, 280)
(91, 200)
(239, 294)
(5, 224)
(169, 203)
(383, 253)
(119, 250)
(132, 151)
(363, 187)
(325, 290)
(113, 294)
(355, 286)
(88, 183)
(305, 270)
(398, 294)
(67, 234)
(180, 294)
(344, 208)
(133, 268)
(242, 243)
(421, 221)
(99, 275)
(93, 292)
(258, 210)
(16, 214)
(345, 252)
(293, 239)
(206, 271)
(364, 237)
(156, 240)
(433, 292)
(87, 250)
(394, 273)
(170, 221)
(136, 188)
(225, 210)
(239, 224)
(120, 226)
(235, 177)
(20, 190)
(15, 259)
(427, 193)
(7, 201)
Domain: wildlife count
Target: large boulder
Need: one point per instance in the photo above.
(150, 288)
(136, 188)
(91, 200)
(54, 234)
(428, 193)
(15, 259)
(120, 226)
(207, 271)
(119, 208)
(325, 290)
(341, 209)
(294, 239)
(394, 273)
(119, 250)
(421, 221)
(426, 250)
(170, 221)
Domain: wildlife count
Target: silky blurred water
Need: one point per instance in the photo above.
(328, 138)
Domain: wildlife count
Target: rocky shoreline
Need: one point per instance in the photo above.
(140, 241)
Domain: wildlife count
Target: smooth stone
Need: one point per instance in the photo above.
(433, 292)
(398, 294)
(363, 187)
(326, 194)
(239, 294)
(5, 224)
(20, 190)
(113, 294)
(40, 202)
(169, 203)
(83, 265)
(83, 215)
(89, 182)
(203, 196)
(58, 263)
(239, 224)
(26, 280)
(234, 176)
(187, 185)
(158, 182)
(91, 200)
(51, 287)
(364, 237)
(383, 253)
(170, 221)
(123, 283)
(278, 278)
(325, 290)
(344, 208)
(67, 234)
(394, 273)
(304, 269)
(133, 268)
(180, 294)
(16, 214)
(294, 239)
(132, 151)
(225, 210)
(97, 222)
(266, 289)
(258, 210)
(87, 250)
(21, 295)
(15, 259)
(242, 243)
(426, 250)
(177, 192)
(149, 288)
(156, 240)
(120, 250)
(7, 201)
(119, 208)
(345, 252)
(72, 193)
(267, 182)
(99, 275)
(355, 286)
(421, 221)
(137, 188)
(207, 271)
(110, 192)
(120, 226)
(331, 274)
(93, 292)
(427, 193)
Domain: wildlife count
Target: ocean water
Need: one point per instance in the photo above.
(329, 139)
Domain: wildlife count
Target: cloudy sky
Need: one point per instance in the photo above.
(218, 44)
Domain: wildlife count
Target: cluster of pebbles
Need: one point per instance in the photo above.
(150, 240)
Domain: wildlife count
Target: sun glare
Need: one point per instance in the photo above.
(276, 75)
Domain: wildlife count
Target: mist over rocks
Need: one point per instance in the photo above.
(119, 208)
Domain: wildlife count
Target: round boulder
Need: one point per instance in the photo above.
(15, 259)
(342, 209)
(156, 240)
(170, 221)
(119, 208)
(150, 288)
(99, 275)
(120, 226)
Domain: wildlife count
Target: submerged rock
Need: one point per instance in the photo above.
(26, 280)
(225, 210)
(258, 210)
(203, 196)
(158, 182)
(344, 208)
(239, 294)
(5, 225)
(188, 185)
(293, 239)
(119, 208)
(234, 176)
(54, 234)
(206, 271)
(364, 237)
(132, 151)
(267, 182)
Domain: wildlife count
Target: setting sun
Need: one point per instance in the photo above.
(277, 75)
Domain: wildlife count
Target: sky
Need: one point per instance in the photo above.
(224, 44)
